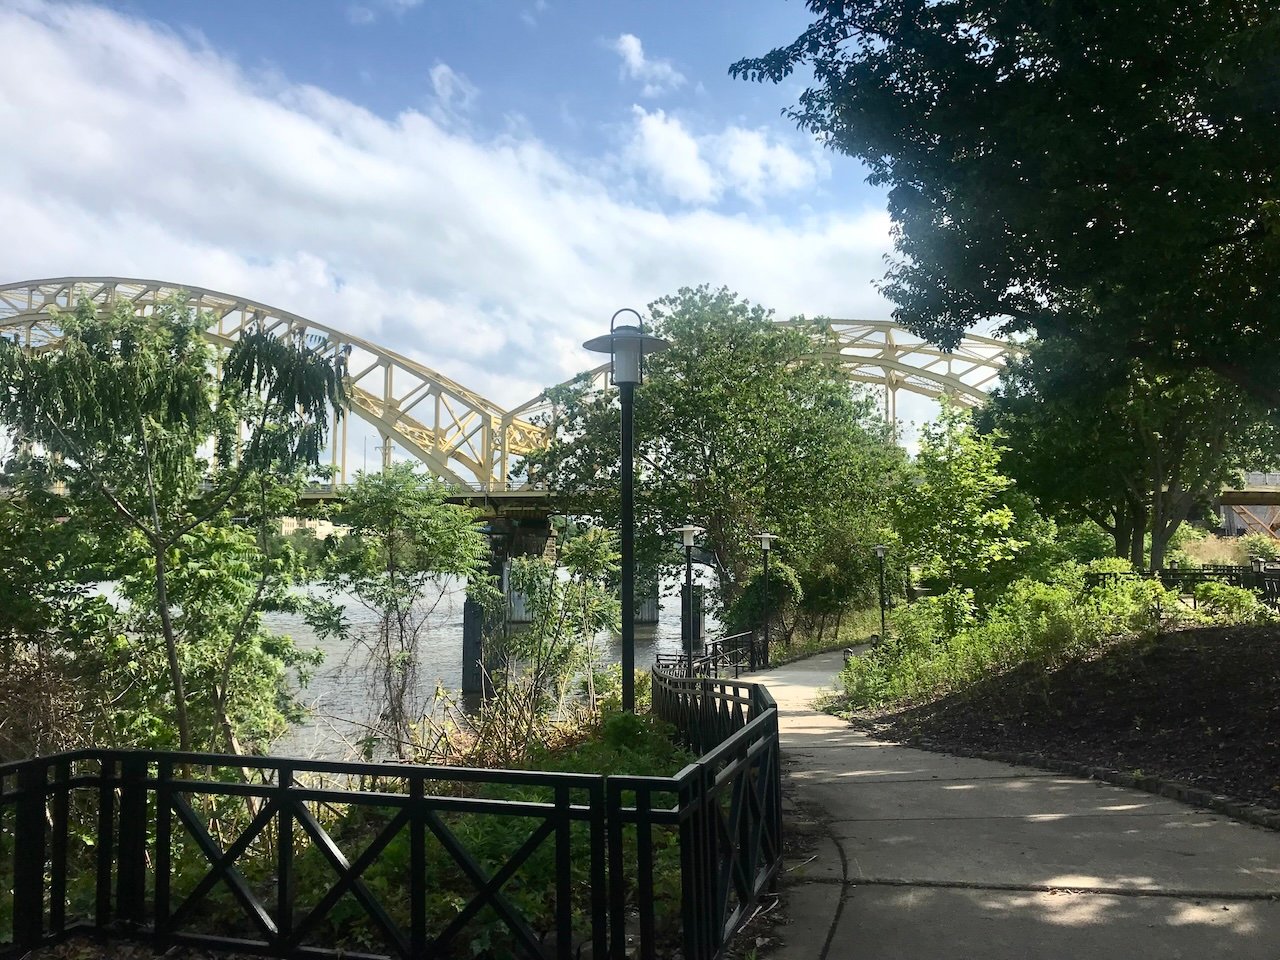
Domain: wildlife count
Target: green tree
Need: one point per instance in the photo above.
(405, 551)
(960, 518)
(1100, 171)
(744, 424)
(128, 415)
(1137, 457)
(57, 637)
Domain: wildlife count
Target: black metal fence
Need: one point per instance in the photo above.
(722, 657)
(1264, 579)
(290, 858)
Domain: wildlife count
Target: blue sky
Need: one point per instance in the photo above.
(476, 183)
(555, 66)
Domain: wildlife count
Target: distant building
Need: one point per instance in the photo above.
(320, 528)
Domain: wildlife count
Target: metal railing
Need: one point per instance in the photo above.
(1263, 579)
(722, 657)
(293, 859)
(730, 801)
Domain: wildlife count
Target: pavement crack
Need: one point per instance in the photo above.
(844, 895)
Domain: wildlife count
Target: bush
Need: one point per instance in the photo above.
(941, 646)
(1258, 545)
(1084, 542)
(933, 618)
(1223, 603)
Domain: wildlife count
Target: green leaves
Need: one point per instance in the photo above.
(1102, 172)
(404, 550)
(743, 425)
(1131, 447)
(957, 513)
(124, 410)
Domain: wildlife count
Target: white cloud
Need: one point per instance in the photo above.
(363, 14)
(490, 260)
(701, 169)
(670, 155)
(531, 14)
(454, 93)
(656, 76)
(756, 165)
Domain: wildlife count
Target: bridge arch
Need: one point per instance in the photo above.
(881, 353)
(458, 434)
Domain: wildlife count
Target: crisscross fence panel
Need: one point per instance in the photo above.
(722, 657)
(304, 859)
(292, 859)
(730, 802)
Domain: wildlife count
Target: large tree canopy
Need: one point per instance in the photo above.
(1138, 454)
(155, 452)
(741, 426)
(1103, 171)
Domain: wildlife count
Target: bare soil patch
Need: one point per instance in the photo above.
(1198, 706)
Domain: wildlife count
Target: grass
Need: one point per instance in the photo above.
(855, 628)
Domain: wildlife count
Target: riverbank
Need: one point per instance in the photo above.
(1200, 707)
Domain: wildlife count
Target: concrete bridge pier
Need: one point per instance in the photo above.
(508, 537)
(479, 628)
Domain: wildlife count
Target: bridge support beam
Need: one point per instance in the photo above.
(508, 537)
(647, 601)
(480, 629)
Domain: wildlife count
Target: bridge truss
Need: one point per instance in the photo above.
(457, 434)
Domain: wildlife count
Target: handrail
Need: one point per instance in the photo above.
(722, 812)
(736, 652)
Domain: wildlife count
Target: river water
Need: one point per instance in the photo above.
(338, 694)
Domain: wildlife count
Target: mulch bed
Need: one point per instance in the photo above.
(1197, 706)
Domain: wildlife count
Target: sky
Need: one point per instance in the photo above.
(478, 184)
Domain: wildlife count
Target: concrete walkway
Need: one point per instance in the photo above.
(922, 855)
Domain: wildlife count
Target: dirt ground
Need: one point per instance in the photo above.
(1198, 706)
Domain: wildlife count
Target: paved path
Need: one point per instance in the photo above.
(924, 855)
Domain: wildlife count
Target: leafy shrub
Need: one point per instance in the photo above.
(783, 595)
(1109, 565)
(933, 618)
(1226, 604)
(941, 646)
(1258, 545)
(1084, 542)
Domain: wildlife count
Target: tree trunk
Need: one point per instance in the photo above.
(171, 652)
(1137, 536)
(1122, 531)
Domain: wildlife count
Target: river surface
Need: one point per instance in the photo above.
(338, 695)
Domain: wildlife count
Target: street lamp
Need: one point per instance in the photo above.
(627, 345)
(766, 544)
(881, 550)
(687, 533)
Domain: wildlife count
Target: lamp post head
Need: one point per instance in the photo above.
(880, 550)
(627, 345)
(766, 540)
(687, 533)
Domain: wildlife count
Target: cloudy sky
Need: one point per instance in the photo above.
(476, 183)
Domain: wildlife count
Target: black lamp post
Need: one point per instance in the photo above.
(627, 345)
(766, 544)
(687, 533)
(881, 550)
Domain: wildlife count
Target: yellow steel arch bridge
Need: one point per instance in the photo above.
(459, 435)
